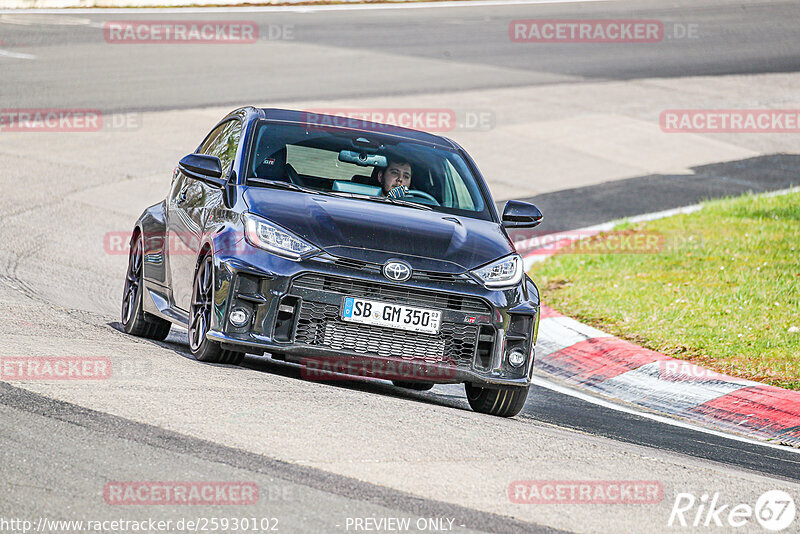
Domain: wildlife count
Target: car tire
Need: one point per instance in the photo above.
(416, 386)
(202, 348)
(502, 401)
(135, 321)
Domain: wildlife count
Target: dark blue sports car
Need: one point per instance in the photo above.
(350, 247)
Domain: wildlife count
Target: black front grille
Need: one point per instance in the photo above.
(319, 325)
(432, 276)
(356, 264)
(392, 293)
(421, 276)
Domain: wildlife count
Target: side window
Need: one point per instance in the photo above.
(463, 197)
(460, 194)
(223, 142)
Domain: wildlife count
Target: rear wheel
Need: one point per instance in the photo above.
(502, 401)
(202, 348)
(135, 320)
(416, 386)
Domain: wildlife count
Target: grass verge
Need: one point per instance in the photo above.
(721, 290)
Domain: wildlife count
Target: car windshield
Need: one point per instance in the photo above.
(361, 166)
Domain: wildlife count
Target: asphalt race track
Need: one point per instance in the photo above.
(385, 52)
(326, 454)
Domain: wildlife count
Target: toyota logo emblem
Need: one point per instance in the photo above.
(399, 271)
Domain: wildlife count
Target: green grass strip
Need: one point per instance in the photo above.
(721, 288)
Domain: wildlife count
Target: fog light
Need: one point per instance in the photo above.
(238, 317)
(516, 358)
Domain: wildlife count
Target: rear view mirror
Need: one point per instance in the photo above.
(521, 215)
(202, 167)
(362, 159)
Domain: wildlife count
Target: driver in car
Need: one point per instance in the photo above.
(395, 178)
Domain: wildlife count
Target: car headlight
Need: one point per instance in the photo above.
(261, 233)
(504, 272)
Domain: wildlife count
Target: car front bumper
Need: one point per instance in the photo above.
(293, 310)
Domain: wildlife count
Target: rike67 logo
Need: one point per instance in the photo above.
(774, 511)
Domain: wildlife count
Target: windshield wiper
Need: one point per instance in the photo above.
(400, 202)
(392, 200)
(277, 185)
(286, 185)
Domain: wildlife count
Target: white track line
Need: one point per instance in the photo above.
(16, 55)
(299, 9)
(547, 384)
(61, 20)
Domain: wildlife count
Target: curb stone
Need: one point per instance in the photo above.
(583, 356)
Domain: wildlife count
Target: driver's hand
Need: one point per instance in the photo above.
(397, 192)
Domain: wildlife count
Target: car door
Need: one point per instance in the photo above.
(191, 203)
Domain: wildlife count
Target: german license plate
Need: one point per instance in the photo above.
(389, 315)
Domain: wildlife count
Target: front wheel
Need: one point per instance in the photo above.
(502, 401)
(135, 320)
(202, 348)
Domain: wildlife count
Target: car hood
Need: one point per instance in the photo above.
(376, 232)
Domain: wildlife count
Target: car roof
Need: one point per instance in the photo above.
(334, 122)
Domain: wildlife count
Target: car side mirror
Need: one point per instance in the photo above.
(202, 167)
(521, 215)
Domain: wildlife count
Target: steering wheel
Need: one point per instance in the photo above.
(422, 194)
